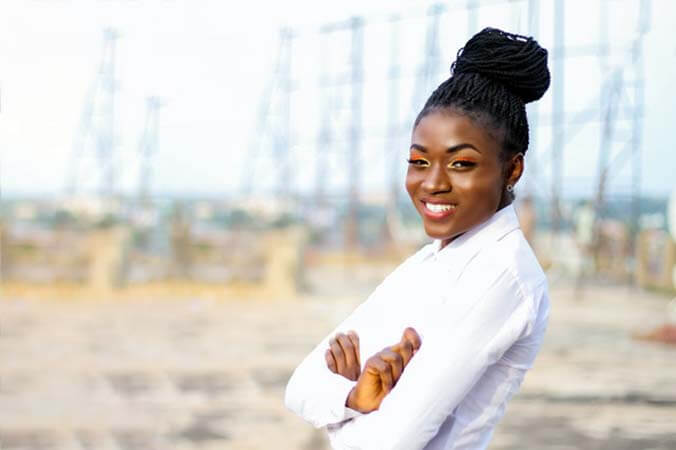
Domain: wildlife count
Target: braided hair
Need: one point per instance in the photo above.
(495, 74)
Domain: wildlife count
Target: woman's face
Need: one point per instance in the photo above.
(455, 175)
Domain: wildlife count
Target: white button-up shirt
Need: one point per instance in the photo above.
(480, 306)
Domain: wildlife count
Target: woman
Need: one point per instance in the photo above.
(447, 338)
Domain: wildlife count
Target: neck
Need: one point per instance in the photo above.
(505, 200)
(503, 203)
(445, 242)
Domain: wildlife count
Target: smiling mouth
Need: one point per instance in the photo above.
(438, 210)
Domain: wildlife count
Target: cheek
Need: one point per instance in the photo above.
(480, 186)
(411, 182)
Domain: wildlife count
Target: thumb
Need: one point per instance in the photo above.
(412, 336)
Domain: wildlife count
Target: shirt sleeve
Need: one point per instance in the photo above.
(314, 392)
(479, 412)
(451, 360)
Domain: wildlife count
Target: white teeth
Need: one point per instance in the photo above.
(436, 207)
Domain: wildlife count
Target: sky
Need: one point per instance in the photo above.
(211, 62)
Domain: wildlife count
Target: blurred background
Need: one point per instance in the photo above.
(193, 194)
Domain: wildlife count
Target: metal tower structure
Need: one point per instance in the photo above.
(429, 69)
(558, 117)
(274, 122)
(638, 111)
(618, 110)
(622, 107)
(472, 17)
(282, 139)
(533, 109)
(353, 157)
(148, 146)
(95, 138)
(426, 79)
(611, 102)
(326, 108)
(340, 99)
(340, 102)
(394, 130)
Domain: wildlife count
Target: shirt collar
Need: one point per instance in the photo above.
(464, 247)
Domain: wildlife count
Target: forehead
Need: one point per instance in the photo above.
(440, 130)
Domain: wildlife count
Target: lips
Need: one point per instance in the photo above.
(437, 211)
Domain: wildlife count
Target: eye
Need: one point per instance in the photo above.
(461, 164)
(420, 162)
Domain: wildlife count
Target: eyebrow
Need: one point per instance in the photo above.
(452, 149)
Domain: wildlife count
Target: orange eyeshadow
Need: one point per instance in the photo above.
(465, 160)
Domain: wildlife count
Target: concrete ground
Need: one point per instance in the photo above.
(209, 373)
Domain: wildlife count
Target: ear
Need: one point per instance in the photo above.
(515, 167)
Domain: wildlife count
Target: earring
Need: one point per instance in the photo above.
(510, 188)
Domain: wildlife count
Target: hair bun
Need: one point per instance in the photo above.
(517, 62)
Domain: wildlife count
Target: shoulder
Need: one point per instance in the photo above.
(510, 264)
(512, 257)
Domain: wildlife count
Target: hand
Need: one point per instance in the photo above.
(342, 356)
(381, 373)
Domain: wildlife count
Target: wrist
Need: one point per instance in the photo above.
(352, 402)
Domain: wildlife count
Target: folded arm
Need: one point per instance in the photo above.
(451, 359)
(316, 393)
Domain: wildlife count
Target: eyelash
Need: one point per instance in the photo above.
(464, 163)
(417, 162)
(424, 163)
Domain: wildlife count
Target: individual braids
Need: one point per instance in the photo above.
(495, 74)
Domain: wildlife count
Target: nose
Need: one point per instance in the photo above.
(436, 180)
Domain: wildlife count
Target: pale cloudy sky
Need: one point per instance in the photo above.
(210, 61)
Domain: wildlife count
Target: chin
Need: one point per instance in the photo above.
(444, 235)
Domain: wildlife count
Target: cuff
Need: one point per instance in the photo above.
(338, 397)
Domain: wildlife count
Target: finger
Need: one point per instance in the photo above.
(351, 359)
(385, 372)
(395, 361)
(337, 354)
(412, 336)
(330, 361)
(355, 341)
(405, 349)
